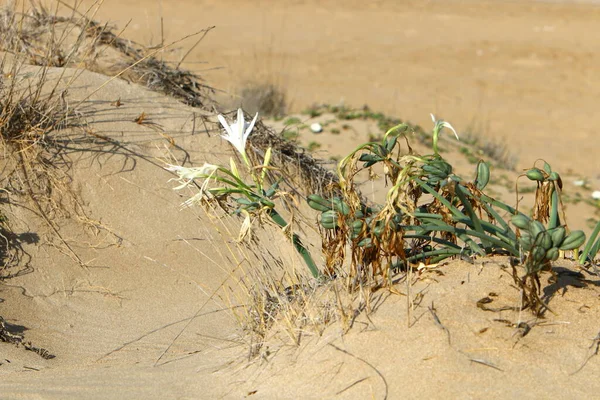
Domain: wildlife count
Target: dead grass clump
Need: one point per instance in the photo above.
(46, 38)
(296, 311)
(281, 300)
(265, 98)
(34, 167)
(30, 109)
(299, 167)
(493, 149)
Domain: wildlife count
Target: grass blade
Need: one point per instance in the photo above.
(589, 244)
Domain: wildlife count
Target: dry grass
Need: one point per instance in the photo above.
(266, 98)
(37, 46)
(33, 113)
(271, 294)
(48, 39)
(299, 167)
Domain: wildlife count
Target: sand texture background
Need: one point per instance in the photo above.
(139, 298)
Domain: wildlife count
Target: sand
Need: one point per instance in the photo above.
(151, 309)
(522, 71)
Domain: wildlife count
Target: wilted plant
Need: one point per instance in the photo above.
(543, 244)
(431, 214)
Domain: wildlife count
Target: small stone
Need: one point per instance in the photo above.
(316, 127)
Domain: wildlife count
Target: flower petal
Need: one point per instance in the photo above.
(173, 168)
(447, 125)
(240, 125)
(225, 125)
(249, 129)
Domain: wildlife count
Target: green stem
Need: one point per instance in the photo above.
(460, 192)
(442, 200)
(554, 221)
(440, 254)
(589, 244)
(278, 219)
(469, 232)
(436, 134)
(499, 204)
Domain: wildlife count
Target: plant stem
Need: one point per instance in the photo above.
(278, 219)
(590, 243)
(554, 220)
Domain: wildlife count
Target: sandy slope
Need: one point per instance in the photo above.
(150, 268)
(524, 71)
(146, 317)
(468, 353)
(110, 323)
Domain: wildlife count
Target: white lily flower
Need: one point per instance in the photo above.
(187, 175)
(444, 124)
(238, 132)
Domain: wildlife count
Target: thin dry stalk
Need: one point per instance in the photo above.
(47, 39)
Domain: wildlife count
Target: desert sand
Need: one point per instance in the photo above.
(139, 298)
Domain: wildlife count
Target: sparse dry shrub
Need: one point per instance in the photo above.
(48, 39)
(37, 47)
(266, 98)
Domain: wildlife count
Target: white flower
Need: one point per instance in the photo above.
(316, 127)
(580, 182)
(596, 195)
(443, 124)
(238, 132)
(187, 175)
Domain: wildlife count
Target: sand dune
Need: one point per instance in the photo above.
(139, 298)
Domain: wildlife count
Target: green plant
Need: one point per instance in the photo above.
(592, 246)
(251, 200)
(313, 146)
(431, 214)
(313, 111)
(289, 134)
(292, 121)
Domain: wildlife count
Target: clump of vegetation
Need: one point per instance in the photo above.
(384, 122)
(265, 98)
(430, 214)
(313, 146)
(289, 121)
(494, 150)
